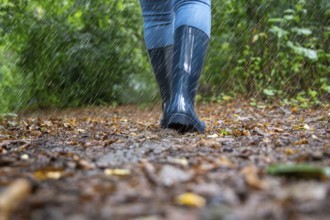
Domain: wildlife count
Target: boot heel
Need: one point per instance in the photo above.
(183, 123)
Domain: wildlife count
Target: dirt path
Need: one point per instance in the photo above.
(115, 163)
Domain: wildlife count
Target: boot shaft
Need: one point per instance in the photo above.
(190, 50)
(161, 61)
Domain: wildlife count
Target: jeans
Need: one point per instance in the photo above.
(163, 17)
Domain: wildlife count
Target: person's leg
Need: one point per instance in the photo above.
(158, 34)
(194, 13)
(158, 19)
(191, 40)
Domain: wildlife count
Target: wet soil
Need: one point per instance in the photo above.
(116, 163)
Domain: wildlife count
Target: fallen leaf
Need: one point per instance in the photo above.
(81, 130)
(227, 98)
(117, 172)
(278, 129)
(289, 151)
(294, 110)
(48, 173)
(213, 136)
(191, 199)
(239, 132)
(72, 142)
(300, 171)
(210, 143)
(306, 127)
(181, 161)
(224, 162)
(315, 137)
(300, 142)
(252, 178)
(25, 157)
(84, 164)
(13, 196)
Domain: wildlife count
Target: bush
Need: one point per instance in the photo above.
(77, 53)
(269, 49)
(72, 53)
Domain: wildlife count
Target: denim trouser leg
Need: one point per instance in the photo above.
(195, 13)
(158, 23)
(162, 17)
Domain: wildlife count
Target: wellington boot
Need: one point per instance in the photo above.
(190, 47)
(161, 61)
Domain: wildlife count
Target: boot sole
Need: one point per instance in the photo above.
(163, 124)
(183, 124)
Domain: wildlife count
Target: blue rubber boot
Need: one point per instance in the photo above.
(161, 61)
(190, 47)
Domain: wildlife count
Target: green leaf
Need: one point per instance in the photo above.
(326, 88)
(306, 52)
(289, 17)
(120, 5)
(275, 20)
(300, 171)
(289, 11)
(302, 31)
(279, 32)
(269, 92)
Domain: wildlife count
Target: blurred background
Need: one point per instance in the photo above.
(72, 53)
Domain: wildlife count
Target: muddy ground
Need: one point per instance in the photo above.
(116, 163)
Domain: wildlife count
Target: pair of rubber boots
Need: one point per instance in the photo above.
(177, 70)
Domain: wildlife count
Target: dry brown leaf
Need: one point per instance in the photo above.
(48, 173)
(13, 196)
(252, 178)
(224, 162)
(289, 151)
(294, 110)
(300, 142)
(276, 129)
(210, 143)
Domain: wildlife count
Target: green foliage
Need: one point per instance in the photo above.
(9, 82)
(270, 49)
(71, 53)
(74, 53)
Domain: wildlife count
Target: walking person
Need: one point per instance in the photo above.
(177, 35)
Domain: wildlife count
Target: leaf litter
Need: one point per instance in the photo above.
(116, 163)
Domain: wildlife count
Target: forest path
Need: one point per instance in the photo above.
(116, 163)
